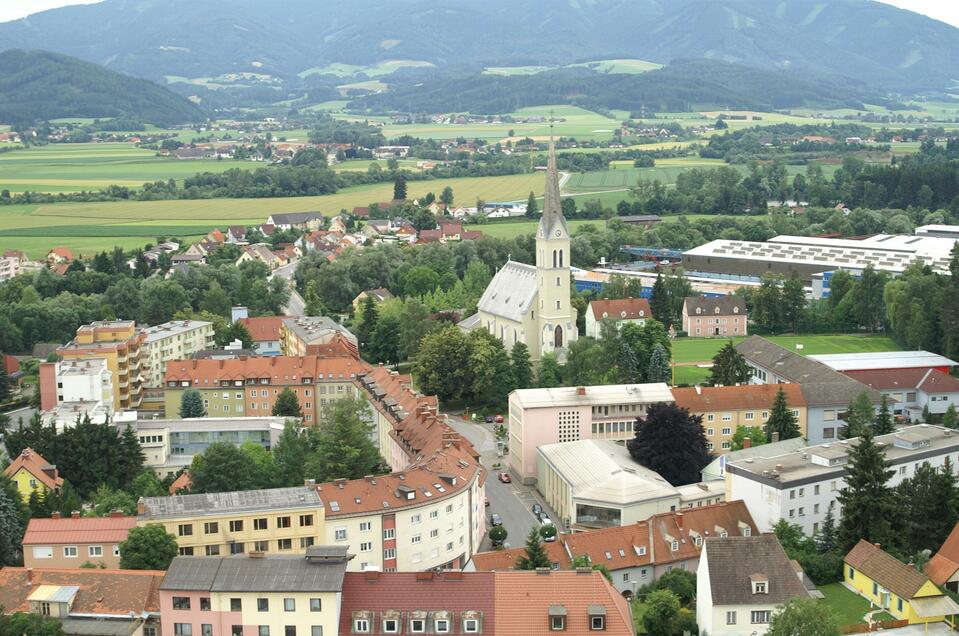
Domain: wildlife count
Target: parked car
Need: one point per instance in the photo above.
(488, 419)
(505, 478)
(544, 520)
(499, 419)
(537, 511)
(495, 519)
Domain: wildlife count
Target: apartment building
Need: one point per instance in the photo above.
(72, 389)
(118, 343)
(265, 332)
(547, 416)
(714, 317)
(285, 596)
(306, 335)
(273, 521)
(248, 386)
(75, 541)
(800, 486)
(175, 340)
(724, 408)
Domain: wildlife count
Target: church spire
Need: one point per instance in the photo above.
(553, 218)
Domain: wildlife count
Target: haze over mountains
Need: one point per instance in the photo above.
(887, 48)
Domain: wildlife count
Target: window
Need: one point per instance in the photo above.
(852, 574)
(260, 524)
(340, 534)
(185, 530)
(899, 605)
(236, 525)
(306, 542)
(264, 630)
(626, 577)
(316, 605)
(391, 626)
(749, 415)
(261, 546)
(181, 602)
(316, 630)
(206, 629)
(441, 626)
(366, 546)
(434, 514)
(416, 538)
(389, 533)
(366, 526)
(95, 550)
(710, 417)
(70, 551)
(182, 629)
(306, 520)
(731, 618)
(389, 553)
(236, 630)
(415, 518)
(289, 605)
(759, 617)
(597, 623)
(116, 550)
(283, 522)
(417, 625)
(815, 490)
(211, 527)
(759, 587)
(557, 623)
(236, 548)
(213, 550)
(284, 544)
(875, 589)
(361, 626)
(205, 604)
(434, 533)
(152, 631)
(263, 605)
(236, 605)
(727, 431)
(471, 626)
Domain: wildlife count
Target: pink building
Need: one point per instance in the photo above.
(723, 316)
(568, 414)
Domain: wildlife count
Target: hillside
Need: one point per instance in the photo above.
(39, 85)
(876, 43)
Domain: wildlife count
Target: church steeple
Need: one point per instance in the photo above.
(552, 219)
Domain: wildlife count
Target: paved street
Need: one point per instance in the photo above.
(15, 416)
(296, 306)
(511, 501)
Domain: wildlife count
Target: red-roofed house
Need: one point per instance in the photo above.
(60, 255)
(943, 567)
(72, 541)
(32, 472)
(912, 390)
(620, 311)
(265, 331)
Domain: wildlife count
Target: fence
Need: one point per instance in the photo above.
(862, 628)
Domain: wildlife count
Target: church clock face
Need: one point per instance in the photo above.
(559, 233)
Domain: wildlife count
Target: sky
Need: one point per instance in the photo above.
(945, 10)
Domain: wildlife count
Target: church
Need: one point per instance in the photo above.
(531, 304)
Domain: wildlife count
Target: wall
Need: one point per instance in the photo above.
(110, 558)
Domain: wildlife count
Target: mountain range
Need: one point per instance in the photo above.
(885, 47)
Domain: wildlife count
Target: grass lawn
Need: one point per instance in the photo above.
(509, 229)
(703, 349)
(690, 375)
(638, 610)
(848, 607)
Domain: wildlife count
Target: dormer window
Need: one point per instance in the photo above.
(674, 546)
(557, 618)
(716, 311)
(641, 313)
(699, 310)
(597, 618)
(605, 314)
(760, 583)
(622, 314)
(735, 310)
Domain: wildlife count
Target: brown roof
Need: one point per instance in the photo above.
(621, 309)
(263, 328)
(727, 305)
(734, 562)
(82, 530)
(886, 570)
(42, 470)
(101, 591)
(736, 398)
(181, 483)
(927, 379)
(500, 560)
(62, 252)
(280, 370)
(945, 563)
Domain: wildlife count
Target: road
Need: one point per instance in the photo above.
(15, 416)
(296, 306)
(511, 501)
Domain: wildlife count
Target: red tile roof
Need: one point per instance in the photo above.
(42, 470)
(101, 591)
(280, 370)
(736, 398)
(621, 309)
(945, 563)
(82, 530)
(501, 560)
(181, 483)
(263, 328)
(62, 252)
(926, 379)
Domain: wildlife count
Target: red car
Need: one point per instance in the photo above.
(499, 419)
(505, 478)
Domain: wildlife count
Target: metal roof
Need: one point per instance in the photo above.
(263, 574)
(240, 502)
(883, 360)
(649, 393)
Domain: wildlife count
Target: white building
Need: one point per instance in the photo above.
(177, 340)
(619, 311)
(84, 389)
(799, 486)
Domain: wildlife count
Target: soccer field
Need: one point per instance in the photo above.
(688, 350)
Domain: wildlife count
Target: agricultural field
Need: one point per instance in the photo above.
(91, 227)
(623, 66)
(510, 229)
(387, 67)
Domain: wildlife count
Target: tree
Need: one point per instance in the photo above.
(441, 367)
(535, 555)
(729, 367)
(682, 583)
(532, 210)
(28, 623)
(312, 300)
(4, 382)
(223, 468)
(826, 539)
(803, 617)
(399, 188)
(550, 373)
(105, 500)
(343, 446)
(793, 301)
(489, 366)
(659, 369)
(547, 532)
(216, 300)
(446, 196)
(950, 419)
(520, 366)
(629, 372)
(12, 525)
(671, 442)
(867, 503)
(289, 454)
(191, 404)
(755, 435)
(287, 404)
(148, 547)
(147, 484)
(662, 613)
(859, 417)
(659, 303)
(928, 504)
(498, 534)
(367, 325)
(884, 424)
(781, 419)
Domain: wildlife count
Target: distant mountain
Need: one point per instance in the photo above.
(884, 46)
(39, 85)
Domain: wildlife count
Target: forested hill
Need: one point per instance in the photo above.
(689, 85)
(40, 85)
(884, 46)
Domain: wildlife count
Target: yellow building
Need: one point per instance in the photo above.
(117, 342)
(176, 340)
(274, 521)
(897, 588)
(31, 472)
(305, 335)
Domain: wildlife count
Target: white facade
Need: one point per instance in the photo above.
(176, 340)
(9, 267)
(84, 389)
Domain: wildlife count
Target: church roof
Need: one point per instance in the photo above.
(512, 291)
(552, 219)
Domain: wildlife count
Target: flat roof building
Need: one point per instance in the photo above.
(885, 360)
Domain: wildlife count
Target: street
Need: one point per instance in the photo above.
(24, 413)
(512, 501)
(296, 306)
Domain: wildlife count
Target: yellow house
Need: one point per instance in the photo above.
(895, 587)
(30, 472)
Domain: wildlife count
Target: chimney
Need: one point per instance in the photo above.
(774, 437)
(747, 443)
(116, 514)
(581, 390)
(75, 514)
(54, 515)
(586, 571)
(141, 506)
(543, 571)
(679, 520)
(424, 576)
(372, 575)
(29, 575)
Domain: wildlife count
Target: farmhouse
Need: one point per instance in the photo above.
(306, 221)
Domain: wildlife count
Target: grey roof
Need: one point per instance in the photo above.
(712, 469)
(264, 574)
(88, 627)
(733, 560)
(821, 386)
(316, 328)
(284, 218)
(219, 504)
(552, 219)
(512, 292)
(728, 305)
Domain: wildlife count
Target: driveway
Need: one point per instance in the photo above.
(937, 629)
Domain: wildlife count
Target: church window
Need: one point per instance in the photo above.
(557, 281)
(555, 259)
(557, 304)
(561, 258)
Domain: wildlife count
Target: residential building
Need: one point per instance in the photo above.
(75, 541)
(60, 255)
(309, 335)
(740, 583)
(619, 311)
(800, 486)
(597, 484)
(72, 389)
(9, 265)
(31, 472)
(118, 342)
(170, 445)
(273, 521)
(175, 340)
(565, 414)
(714, 317)
(86, 601)
(828, 393)
(943, 568)
(885, 361)
(897, 588)
(716, 469)
(248, 387)
(639, 553)
(531, 304)
(305, 221)
(724, 408)
(265, 332)
(912, 392)
(259, 252)
(944, 231)
(284, 596)
(379, 295)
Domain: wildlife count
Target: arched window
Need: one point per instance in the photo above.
(561, 258)
(558, 337)
(555, 260)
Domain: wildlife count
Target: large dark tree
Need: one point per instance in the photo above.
(535, 555)
(287, 404)
(191, 404)
(343, 448)
(929, 507)
(222, 468)
(781, 419)
(520, 366)
(884, 423)
(867, 502)
(729, 367)
(148, 547)
(659, 303)
(671, 442)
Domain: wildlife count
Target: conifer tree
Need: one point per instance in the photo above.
(659, 370)
(520, 366)
(364, 332)
(950, 419)
(191, 404)
(287, 404)
(781, 419)
(535, 556)
(531, 208)
(884, 424)
(729, 367)
(659, 303)
(859, 416)
(826, 539)
(628, 364)
(867, 503)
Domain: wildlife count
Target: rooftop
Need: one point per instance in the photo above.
(585, 396)
(100, 592)
(733, 563)
(902, 580)
(276, 369)
(881, 360)
(736, 398)
(511, 292)
(42, 470)
(926, 379)
(715, 305)
(239, 502)
(945, 562)
(316, 328)
(82, 530)
(167, 329)
(213, 424)
(621, 309)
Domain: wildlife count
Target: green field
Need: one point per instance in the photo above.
(703, 349)
(848, 607)
(351, 70)
(628, 66)
(89, 227)
(509, 229)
